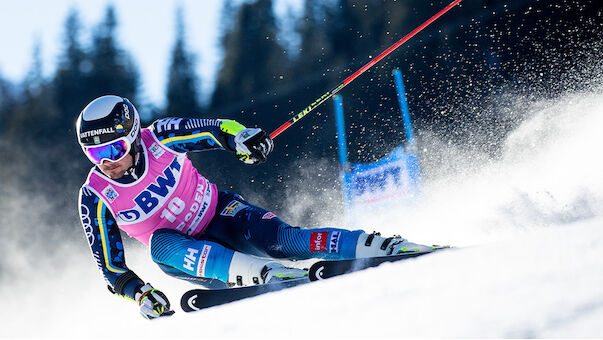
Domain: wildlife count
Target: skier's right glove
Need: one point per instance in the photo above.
(153, 303)
(253, 145)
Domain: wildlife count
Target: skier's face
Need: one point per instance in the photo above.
(117, 169)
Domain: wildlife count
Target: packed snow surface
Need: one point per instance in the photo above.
(528, 262)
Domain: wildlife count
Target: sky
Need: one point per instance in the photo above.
(146, 30)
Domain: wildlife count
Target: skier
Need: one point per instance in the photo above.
(143, 183)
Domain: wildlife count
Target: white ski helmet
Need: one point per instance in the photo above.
(109, 128)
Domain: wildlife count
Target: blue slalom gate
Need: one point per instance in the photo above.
(393, 180)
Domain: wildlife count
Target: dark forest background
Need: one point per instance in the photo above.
(457, 73)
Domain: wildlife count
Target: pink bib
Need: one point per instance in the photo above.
(170, 194)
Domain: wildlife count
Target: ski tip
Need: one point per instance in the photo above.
(439, 247)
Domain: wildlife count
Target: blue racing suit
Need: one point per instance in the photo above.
(236, 226)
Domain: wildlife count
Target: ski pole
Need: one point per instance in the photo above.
(349, 79)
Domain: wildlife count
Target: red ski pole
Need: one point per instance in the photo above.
(349, 79)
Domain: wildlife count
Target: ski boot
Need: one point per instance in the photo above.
(373, 245)
(246, 270)
(275, 272)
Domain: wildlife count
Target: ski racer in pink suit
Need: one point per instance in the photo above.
(144, 184)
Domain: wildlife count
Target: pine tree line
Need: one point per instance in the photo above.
(452, 70)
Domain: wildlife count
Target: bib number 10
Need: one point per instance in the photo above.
(175, 207)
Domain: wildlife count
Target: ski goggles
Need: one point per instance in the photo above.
(114, 151)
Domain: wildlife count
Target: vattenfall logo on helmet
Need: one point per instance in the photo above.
(119, 128)
(96, 132)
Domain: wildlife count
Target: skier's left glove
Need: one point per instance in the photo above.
(253, 145)
(153, 303)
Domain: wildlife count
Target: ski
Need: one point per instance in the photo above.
(326, 269)
(197, 299)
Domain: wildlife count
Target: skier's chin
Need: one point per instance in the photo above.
(115, 174)
(116, 170)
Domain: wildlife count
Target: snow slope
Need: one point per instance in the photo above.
(529, 262)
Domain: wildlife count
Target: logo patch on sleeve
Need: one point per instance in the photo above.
(334, 242)
(268, 216)
(318, 241)
(233, 208)
(110, 193)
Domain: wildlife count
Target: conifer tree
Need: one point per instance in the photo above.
(315, 51)
(183, 85)
(253, 59)
(35, 115)
(71, 84)
(7, 102)
(113, 71)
